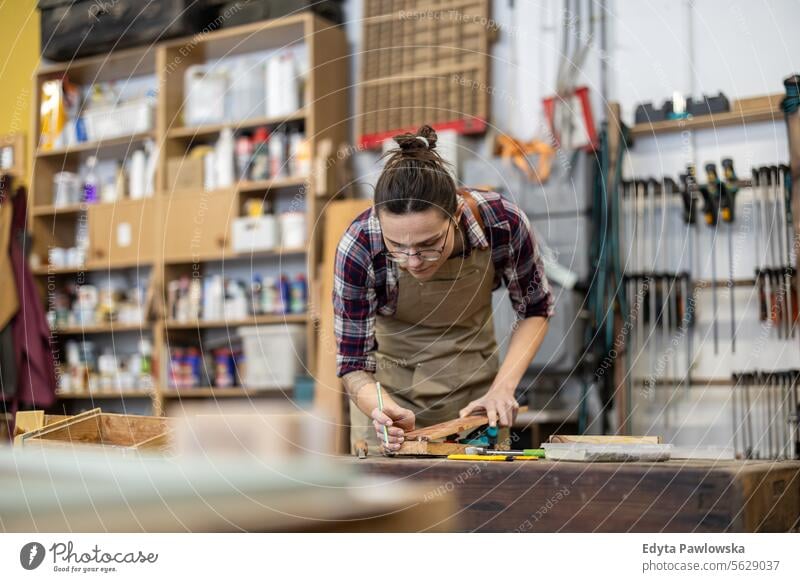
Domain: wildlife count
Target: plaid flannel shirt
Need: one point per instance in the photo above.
(365, 282)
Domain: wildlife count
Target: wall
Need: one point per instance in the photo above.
(19, 57)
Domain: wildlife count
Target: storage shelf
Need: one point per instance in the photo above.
(222, 323)
(706, 121)
(101, 328)
(232, 256)
(214, 128)
(104, 395)
(263, 185)
(91, 268)
(222, 392)
(95, 145)
(49, 209)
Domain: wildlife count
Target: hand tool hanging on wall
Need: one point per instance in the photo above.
(762, 280)
(728, 190)
(710, 194)
(687, 285)
(673, 276)
(790, 258)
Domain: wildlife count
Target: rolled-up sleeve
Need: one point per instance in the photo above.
(354, 304)
(524, 275)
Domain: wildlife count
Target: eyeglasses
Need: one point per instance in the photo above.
(428, 255)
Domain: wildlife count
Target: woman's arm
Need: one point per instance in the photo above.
(362, 389)
(499, 402)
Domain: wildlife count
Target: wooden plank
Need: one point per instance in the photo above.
(445, 429)
(430, 448)
(611, 439)
(455, 426)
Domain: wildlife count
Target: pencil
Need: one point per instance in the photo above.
(380, 407)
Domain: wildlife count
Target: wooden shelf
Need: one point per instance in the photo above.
(729, 118)
(104, 395)
(90, 268)
(90, 146)
(232, 256)
(101, 328)
(223, 392)
(255, 320)
(263, 185)
(214, 128)
(49, 209)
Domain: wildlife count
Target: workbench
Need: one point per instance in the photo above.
(548, 496)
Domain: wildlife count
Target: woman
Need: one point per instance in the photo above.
(413, 299)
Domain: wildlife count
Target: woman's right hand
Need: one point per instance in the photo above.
(397, 421)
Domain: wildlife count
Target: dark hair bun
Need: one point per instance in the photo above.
(424, 139)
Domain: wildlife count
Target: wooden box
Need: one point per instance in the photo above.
(185, 173)
(95, 427)
(197, 226)
(122, 233)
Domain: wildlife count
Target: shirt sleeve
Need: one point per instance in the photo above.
(354, 304)
(524, 273)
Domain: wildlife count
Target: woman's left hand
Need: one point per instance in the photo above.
(498, 404)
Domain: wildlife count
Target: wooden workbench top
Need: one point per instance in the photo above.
(676, 496)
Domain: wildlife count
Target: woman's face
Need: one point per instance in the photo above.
(428, 230)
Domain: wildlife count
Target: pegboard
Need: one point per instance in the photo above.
(424, 62)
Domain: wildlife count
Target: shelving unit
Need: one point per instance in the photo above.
(730, 118)
(324, 120)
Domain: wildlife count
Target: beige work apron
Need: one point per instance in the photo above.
(438, 352)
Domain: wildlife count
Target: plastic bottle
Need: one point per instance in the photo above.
(244, 153)
(259, 163)
(137, 175)
(224, 159)
(277, 154)
(255, 295)
(91, 184)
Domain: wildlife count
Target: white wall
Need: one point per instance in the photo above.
(742, 48)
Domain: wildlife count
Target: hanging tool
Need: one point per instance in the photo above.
(710, 194)
(777, 204)
(687, 288)
(728, 190)
(794, 411)
(748, 422)
(761, 277)
(735, 413)
(674, 285)
(652, 286)
(789, 271)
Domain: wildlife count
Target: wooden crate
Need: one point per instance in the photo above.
(98, 428)
(423, 62)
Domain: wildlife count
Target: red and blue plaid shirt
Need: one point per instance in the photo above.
(365, 283)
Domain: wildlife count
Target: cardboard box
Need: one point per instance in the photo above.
(184, 174)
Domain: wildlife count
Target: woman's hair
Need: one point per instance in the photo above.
(415, 177)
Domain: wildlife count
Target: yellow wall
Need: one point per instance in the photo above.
(19, 57)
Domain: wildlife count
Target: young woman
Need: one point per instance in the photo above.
(413, 299)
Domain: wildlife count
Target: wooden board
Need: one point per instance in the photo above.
(672, 496)
(610, 439)
(432, 449)
(445, 429)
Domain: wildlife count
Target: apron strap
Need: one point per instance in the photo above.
(472, 204)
